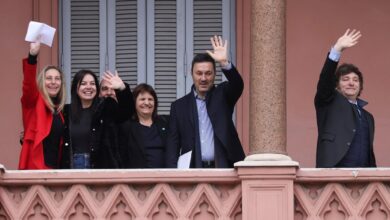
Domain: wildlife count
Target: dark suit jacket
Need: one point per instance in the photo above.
(183, 135)
(132, 147)
(336, 120)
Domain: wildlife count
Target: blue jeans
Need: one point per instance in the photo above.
(81, 161)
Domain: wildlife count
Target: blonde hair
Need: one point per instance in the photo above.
(61, 94)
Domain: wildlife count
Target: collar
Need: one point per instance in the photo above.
(359, 102)
(196, 95)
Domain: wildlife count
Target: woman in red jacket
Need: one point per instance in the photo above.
(42, 100)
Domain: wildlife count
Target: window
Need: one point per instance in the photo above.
(151, 41)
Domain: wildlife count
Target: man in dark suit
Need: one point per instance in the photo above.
(345, 129)
(201, 121)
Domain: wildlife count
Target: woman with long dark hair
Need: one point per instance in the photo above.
(92, 121)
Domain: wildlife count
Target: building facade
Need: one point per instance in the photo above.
(153, 42)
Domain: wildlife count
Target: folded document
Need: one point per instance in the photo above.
(184, 161)
(40, 32)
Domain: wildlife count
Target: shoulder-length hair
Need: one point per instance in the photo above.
(142, 88)
(61, 96)
(75, 106)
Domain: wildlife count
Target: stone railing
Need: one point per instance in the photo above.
(120, 194)
(275, 193)
(338, 194)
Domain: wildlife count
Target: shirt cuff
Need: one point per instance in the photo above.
(32, 59)
(334, 55)
(228, 66)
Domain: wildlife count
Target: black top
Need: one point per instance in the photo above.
(81, 132)
(101, 130)
(153, 146)
(51, 144)
(142, 146)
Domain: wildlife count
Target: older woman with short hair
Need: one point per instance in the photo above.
(144, 143)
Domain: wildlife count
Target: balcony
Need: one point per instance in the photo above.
(243, 193)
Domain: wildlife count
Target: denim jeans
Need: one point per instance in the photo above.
(81, 161)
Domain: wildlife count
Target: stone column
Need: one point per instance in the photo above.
(268, 77)
(267, 174)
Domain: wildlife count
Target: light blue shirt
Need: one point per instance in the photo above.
(334, 55)
(228, 66)
(206, 132)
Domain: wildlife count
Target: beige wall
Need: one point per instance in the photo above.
(312, 27)
(15, 16)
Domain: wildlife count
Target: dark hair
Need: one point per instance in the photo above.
(75, 99)
(141, 88)
(346, 69)
(203, 57)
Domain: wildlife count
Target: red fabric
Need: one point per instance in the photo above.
(37, 120)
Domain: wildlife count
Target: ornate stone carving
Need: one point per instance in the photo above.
(17, 193)
(183, 191)
(142, 191)
(162, 210)
(58, 193)
(99, 192)
(3, 213)
(203, 210)
(299, 212)
(79, 210)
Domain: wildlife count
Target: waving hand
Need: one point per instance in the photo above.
(349, 39)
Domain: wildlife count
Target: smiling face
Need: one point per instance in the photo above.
(87, 90)
(52, 82)
(349, 86)
(203, 76)
(144, 105)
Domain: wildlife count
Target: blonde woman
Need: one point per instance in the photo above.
(42, 100)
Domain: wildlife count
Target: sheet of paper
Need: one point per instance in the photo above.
(40, 32)
(184, 160)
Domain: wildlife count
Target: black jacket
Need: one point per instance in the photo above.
(104, 144)
(132, 149)
(336, 120)
(183, 127)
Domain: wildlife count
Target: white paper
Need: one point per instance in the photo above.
(184, 160)
(40, 32)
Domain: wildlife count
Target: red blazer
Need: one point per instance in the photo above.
(37, 120)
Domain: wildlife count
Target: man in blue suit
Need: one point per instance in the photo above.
(201, 121)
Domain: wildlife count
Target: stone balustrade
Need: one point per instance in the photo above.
(120, 194)
(338, 194)
(196, 194)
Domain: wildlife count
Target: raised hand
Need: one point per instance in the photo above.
(349, 39)
(114, 81)
(34, 48)
(219, 53)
